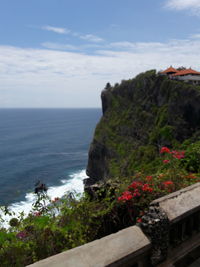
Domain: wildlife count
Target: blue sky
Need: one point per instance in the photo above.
(61, 53)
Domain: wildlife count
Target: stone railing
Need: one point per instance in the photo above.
(183, 211)
(170, 237)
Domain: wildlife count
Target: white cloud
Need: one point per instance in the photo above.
(91, 38)
(195, 36)
(50, 78)
(193, 5)
(55, 29)
(138, 46)
(69, 47)
(58, 46)
(87, 37)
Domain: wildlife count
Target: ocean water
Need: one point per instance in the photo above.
(50, 145)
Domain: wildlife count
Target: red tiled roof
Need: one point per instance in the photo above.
(170, 69)
(186, 72)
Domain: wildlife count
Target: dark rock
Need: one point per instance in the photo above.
(96, 168)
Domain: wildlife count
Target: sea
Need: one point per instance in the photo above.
(46, 145)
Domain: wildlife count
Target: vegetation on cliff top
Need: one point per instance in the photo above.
(139, 117)
(131, 155)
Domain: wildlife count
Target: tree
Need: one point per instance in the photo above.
(108, 86)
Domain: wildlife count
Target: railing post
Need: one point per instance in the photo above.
(155, 224)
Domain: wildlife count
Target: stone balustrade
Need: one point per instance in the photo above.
(169, 236)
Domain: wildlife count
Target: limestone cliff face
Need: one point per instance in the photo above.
(140, 116)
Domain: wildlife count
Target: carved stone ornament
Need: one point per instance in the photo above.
(155, 224)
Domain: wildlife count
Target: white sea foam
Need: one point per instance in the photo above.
(74, 183)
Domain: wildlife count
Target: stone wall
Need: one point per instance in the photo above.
(170, 237)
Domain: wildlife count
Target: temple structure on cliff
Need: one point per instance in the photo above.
(185, 75)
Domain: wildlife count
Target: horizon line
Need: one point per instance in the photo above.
(50, 107)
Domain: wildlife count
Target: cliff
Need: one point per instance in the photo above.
(139, 116)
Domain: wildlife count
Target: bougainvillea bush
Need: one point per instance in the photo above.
(60, 224)
(169, 178)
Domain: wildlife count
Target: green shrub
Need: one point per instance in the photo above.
(118, 203)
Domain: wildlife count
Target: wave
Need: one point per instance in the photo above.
(74, 183)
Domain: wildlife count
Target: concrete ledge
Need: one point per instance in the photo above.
(124, 246)
(180, 203)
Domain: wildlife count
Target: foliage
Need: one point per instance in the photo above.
(142, 115)
(169, 178)
(60, 224)
(53, 226)
(192, 159)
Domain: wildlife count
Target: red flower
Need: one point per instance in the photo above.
(164, 149)
(135, 184)
(147, 188)
(166, 161)
(191, 176)
(150, 189)
(139, 220)
(167, 183)
(127, 195)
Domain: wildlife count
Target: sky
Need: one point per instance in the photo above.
(61, 53)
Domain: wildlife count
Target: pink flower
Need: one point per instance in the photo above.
(166, 161)
(164, 149)
(21, 235)
(178, 154)
(136, 194)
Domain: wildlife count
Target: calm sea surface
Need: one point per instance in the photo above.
(50, 145)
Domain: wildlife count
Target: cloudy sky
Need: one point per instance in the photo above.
(61, 53)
